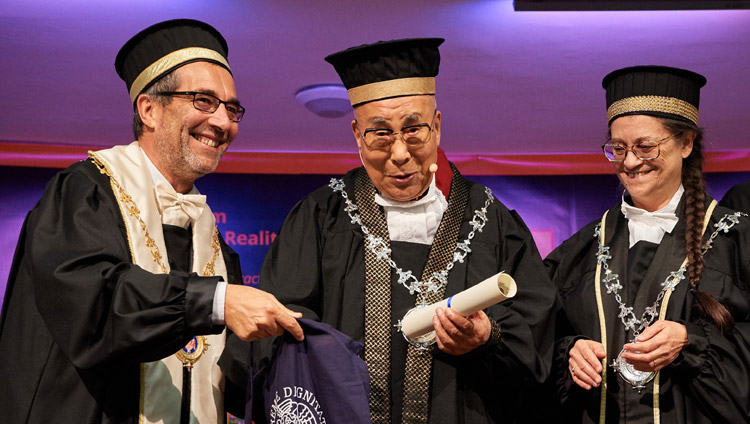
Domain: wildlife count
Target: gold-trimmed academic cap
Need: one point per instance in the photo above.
(653, 90)
(164, 47)
(386, 69)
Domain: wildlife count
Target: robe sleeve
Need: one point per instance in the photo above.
(561, 266)
(524, 351)
(292, 269)
(714, 368)
(99, 307)
(737, 198)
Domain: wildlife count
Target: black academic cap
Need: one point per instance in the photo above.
(164, 47)
(653, 90)
(386, 69)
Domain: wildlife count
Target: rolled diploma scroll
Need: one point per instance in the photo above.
(489, 292)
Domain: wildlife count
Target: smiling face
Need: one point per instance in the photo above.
(400, 172)
(650, 183)
(183, 142)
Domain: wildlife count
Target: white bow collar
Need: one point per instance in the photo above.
(651, 226)
(416, 221)
(175, 208)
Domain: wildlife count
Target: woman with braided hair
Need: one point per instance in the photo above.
(656, 294)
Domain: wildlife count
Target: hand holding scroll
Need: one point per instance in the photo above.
(493, 290)
(456, 334)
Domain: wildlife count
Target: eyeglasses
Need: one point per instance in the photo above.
(209, 103)
(644, 150)
(413, 135)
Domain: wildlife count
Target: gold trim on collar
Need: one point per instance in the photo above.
(126, 203)
(392, 88)
(168, 62)
(103, 168)
(653, 104)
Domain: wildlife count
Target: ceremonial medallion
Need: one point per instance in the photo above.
(637, 379)
(422, 342)
(192, 352)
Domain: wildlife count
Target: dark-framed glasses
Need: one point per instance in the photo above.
(209, 103)
(412, 135)
(643, 150)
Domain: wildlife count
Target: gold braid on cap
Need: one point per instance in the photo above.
(168, 62)
(662, 104)
(392, 88)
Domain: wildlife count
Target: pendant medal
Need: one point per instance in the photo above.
(637, 379)
(422, 342)
(192, 352)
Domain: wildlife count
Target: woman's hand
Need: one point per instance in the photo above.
(657, 346)
(585, 363)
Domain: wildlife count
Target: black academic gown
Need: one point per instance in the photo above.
(738, 198)
(78, 317)
(709, 381)
(316, 266)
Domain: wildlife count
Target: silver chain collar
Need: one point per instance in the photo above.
(612, 281)
(437, 280)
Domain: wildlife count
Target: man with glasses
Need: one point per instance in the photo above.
(118, 297)
(404, 230)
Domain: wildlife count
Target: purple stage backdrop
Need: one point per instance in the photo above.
(250, 208)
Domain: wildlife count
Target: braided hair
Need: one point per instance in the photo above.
(695, 210)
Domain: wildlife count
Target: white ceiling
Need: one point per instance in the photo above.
(509, 82)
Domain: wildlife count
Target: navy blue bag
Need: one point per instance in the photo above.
(318, 380)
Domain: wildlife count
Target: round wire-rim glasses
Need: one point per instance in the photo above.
(644, 150)
(412, 135)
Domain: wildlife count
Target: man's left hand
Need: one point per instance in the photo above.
(457, 334)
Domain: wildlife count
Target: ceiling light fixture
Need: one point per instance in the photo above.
(326, 100)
